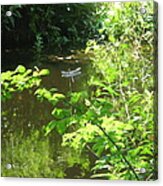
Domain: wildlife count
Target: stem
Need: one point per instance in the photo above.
(123, 95)
(92, 152)
(70, 87)
(118, 149)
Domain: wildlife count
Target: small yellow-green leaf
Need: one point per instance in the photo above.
(44, 72)
(20, 69)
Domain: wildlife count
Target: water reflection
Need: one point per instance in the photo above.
(26, 152)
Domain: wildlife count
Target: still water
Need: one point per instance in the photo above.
(26, 152)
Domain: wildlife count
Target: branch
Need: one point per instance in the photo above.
(118, 149)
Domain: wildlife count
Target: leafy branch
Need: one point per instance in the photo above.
(119, 150)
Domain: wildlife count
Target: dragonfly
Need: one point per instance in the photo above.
(71, 73)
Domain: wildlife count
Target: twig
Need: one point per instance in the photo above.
(92, 152)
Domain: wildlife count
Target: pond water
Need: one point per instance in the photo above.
(26, 152)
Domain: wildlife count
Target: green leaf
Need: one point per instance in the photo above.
(60, 125)
(110, 90)
(101, 175)
(51, 125)
(75, 97)
(60, 113)
(20, 69)
(58, 96)
(44, 72)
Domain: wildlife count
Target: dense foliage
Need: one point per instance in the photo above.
(19, 80)
(114, 117)
(49, 25)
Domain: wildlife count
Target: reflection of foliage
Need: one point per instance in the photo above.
(32, 157)
(28, 158)
(19, 80)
